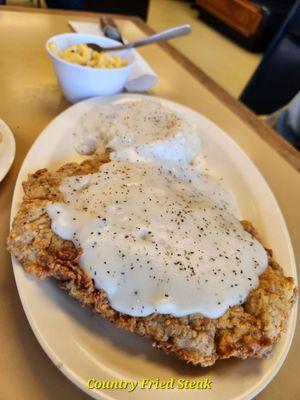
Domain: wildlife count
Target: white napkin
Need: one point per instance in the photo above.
(142, 78)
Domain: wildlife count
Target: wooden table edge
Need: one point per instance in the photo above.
(284, 148)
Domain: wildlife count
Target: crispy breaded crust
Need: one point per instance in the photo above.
(249, 330)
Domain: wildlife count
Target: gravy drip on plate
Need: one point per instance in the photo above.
(158, 239)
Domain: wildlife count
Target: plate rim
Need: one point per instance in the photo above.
(7, 132)
(67, 371)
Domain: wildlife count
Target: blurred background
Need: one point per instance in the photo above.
(251, 48)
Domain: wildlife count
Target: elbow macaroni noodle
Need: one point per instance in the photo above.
(81, 54)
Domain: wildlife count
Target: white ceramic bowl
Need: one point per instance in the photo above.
(79, 82)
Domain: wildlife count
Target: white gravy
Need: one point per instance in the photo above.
(159, 239)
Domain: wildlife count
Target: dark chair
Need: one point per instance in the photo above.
(250, 23)
(133, 7)
(277, 79)
(66, 4)
(274, 12)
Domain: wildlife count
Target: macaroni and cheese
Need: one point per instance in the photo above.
(81, 54)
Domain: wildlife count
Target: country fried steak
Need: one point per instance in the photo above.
(248, 330)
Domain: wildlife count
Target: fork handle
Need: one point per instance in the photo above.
(157, 37)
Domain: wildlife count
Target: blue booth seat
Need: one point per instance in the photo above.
(277, 79)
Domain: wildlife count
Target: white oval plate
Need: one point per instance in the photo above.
(85, 346)
(7, 149)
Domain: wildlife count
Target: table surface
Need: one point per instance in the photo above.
(30, 98)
